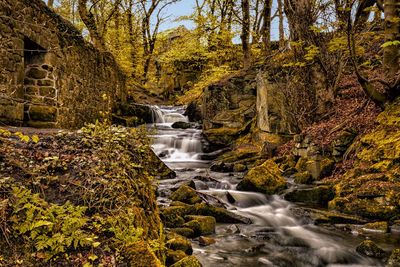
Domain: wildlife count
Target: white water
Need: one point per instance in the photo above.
(275, 238)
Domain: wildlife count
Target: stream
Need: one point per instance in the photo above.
(275, 238)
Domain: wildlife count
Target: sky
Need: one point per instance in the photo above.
(186, 7)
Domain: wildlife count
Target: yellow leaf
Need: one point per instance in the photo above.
(35, 139)
(93, 257)
(87, 264)
(96, 244)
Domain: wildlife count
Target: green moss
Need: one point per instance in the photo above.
(186, 195)
(394, 259)
(303, 177)
(178, 242)
(190, 261)
(265, 178)
(206, 223)
(173, 256)
(140, 254)
(173, 216)
(370, 249)
(382, 227)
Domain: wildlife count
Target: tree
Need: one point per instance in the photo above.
(90, 22)
(245, 36)
(50, 3)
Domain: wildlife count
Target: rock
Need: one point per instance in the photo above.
(323, 217)
(42, 113)
(163, 154)
(36, 73)
(222, 137)
(380, 227)
(181, 125)
(190, 261)
(178, 242)
(207, 223)
(394, 259)
(232, 229)
(265, 178)
(221, 215)
(184, 231)
(174, 256)
(179, 184)
(221, 167)
(206, 241)
(140, 254)
(303, 178)
(342, 143)
(327, 167)
(186, 194)
(193, 111)
(195, 226)
(319, 195)
(173, 216)
(370, 249)
(237, 167)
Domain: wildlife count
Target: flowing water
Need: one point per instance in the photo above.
(275, 238)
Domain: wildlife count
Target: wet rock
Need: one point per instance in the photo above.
(140, 254)
(324, 217)
(370, 249)
(213, 155)
(265, 178)
(327, 167)
(376, 227)
(193, 111)
(303, 178)
(163, 154)
(319, 195)
(178, 242)
(206, 224)
(342, 143)
(221, 215)
(174, 256)
(173, 216)
(232, 229)
(206, 241)
(190, 261)
(186, 194)
(238, 167)
(289, 171)
(179, 184)
(181, 125)
(184, 231)
(394, 259)
(221, 167)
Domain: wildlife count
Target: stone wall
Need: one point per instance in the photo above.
(49, 75)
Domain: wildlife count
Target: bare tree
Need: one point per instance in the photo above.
(245, 36)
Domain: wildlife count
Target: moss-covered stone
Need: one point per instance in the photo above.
(173, 256)
(303, 178)
(221, 215)
(319, 195)
(140, 254)
(206, 241)
(206, 223)
(238, 167)
(394, 259)
(186, 194)
(184, 231)
(190, 261)
(265, 178)
(381, 227)
(370, 249)
(178, 242)
(173, 216)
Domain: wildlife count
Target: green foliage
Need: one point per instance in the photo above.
(51, 228)
(391, 43)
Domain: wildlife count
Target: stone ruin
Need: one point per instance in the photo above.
(49, 75)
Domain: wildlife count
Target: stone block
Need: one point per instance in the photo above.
(42, 113)
(36, 73)
(46, 82)
(47, 91)
(11, 111)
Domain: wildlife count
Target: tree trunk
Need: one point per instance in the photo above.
(281, 29)
(391, 53)
(266, 27)
(50, 3)
(90, 22)
(246, 34)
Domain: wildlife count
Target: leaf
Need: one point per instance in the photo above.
(87, 264)
(390, 43)
(93, 257)
(35, 139)
(40, 223)
(96, 244)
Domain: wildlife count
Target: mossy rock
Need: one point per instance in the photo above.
(222, 136)
(206, 241)
(265, 178)
(186, 195)
(303, 178)
(301, 164)
(221, 215)
(238, 167)
(370, 249)
(327, 167)
(140, 254)
(173, 216)
(319, 195)
(381, 227)
(184, 231)
(394, 259)
(174, 256)
(178, 242)
(190, 261)
(206, 223)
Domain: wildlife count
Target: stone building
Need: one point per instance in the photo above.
(49, 75)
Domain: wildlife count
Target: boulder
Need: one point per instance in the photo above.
(221, 167)
(186, 195)
(173, 216)
(206, 241)
(221, 215)
(178, 242)
(193, 112)
(319, 195)
(303, 178)
(394, 259)
(184, 231)
(238, 167)
(181, 125)
(370, 249)
(174, 256)
(190, 261)
(140, 254)
(376, 227)
(265, 178)
(206, 223)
